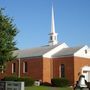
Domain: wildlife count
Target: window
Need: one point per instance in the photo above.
(13, 67)
(85, 51)
(50, 37)
(62, 70)
(24, 67)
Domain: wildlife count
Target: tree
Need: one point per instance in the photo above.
(8, 31)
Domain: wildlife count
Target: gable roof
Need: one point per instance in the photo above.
(67, 52)
(33, 52)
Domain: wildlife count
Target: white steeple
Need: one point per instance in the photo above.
(53, 34)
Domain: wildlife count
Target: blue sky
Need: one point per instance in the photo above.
(33, 20)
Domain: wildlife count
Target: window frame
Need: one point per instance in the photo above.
(62, 70)
(13, 68)
(25, 67)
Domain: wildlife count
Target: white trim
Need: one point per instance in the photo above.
(55, 50)
(23, 67)
(59, 71)
(81, 52)
(12, 68)
(86, 68)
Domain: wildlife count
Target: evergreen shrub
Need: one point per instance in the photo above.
(59, 82)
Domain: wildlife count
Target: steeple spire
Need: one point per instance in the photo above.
(53, 34)
(52, 23)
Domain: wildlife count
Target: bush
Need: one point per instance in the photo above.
(9, 78)
(26, 80)
(59, 82)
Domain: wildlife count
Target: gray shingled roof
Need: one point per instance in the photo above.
(33, 52)
(66, 52)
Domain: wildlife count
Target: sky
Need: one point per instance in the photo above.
(33, 20)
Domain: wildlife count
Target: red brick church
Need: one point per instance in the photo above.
(51, 61)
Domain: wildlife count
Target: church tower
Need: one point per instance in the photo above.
(53, 34)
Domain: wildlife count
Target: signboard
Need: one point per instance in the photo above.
(2, 85)
(10, 85)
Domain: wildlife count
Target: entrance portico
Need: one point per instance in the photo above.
(86, 73)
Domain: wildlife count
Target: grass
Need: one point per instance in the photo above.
(46, 88)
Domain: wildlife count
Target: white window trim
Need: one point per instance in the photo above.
(24, 67)
(12, 68)
(60, 71)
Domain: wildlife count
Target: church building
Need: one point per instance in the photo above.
(55, 60)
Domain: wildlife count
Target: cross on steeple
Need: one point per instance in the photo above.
(53, 34)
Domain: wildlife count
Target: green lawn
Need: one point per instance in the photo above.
(46, 88)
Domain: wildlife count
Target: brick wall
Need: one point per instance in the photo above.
(69, 67)
(34, 69)
(47, 70)
(8, 71)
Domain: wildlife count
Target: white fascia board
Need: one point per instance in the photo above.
(55, 50)
(82, 53)
(86, 68)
